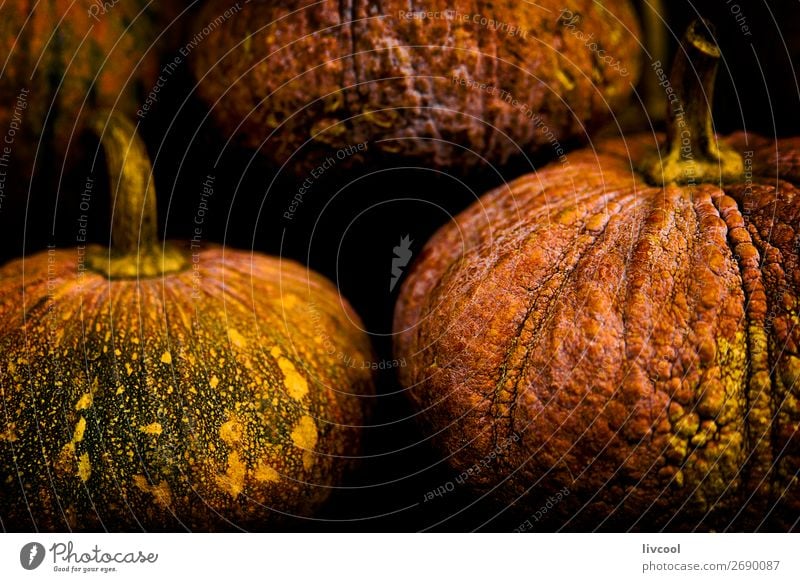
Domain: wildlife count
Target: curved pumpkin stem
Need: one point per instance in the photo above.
(135, 250)
(692, 154)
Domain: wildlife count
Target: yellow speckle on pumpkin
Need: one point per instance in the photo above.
(237, 339)
(568, 84)
(214, 382)
(80, 428)
(265, 473)
(166, 357)
(153, 428)
(120, 390)
(84, 467)
(128, 368)
(84, 401)
(161, 492)
(295, 384)
(65, 459)
(233, 480)
(9, 435)
(305, 437)
(231, 431)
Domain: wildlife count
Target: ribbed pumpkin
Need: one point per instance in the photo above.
(64, 57)
(302, 81)
(624, 326)
(150, 386)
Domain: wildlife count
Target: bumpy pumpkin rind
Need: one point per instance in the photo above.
(641, 341)
(209, 399)
(301, 82)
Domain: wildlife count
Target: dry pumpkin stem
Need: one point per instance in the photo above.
(135, 249)
(692, 153)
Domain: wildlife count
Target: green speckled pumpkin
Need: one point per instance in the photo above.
(156, 387)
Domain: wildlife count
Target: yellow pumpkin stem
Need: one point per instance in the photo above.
(135, 250)
(692, 155)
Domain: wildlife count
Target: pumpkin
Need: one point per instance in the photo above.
(620, 333)
(63, 57)
(454, 85)
(158, 386)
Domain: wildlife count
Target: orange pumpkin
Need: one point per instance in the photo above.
(160, 386)
(446, 84)
(624, 328)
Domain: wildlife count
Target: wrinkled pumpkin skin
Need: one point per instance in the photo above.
(283, 78)
(133, 406)
(70, 61)
(642, 342)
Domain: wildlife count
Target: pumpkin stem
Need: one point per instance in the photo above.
(135, 250)
(692, 154)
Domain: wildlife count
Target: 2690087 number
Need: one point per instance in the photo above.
(754, 565)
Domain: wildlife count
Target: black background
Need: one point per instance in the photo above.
(349, 237)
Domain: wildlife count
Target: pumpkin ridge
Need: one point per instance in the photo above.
(776, 262)
(626, 370)
(566, 275)
(759, 459)
(708, 483)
